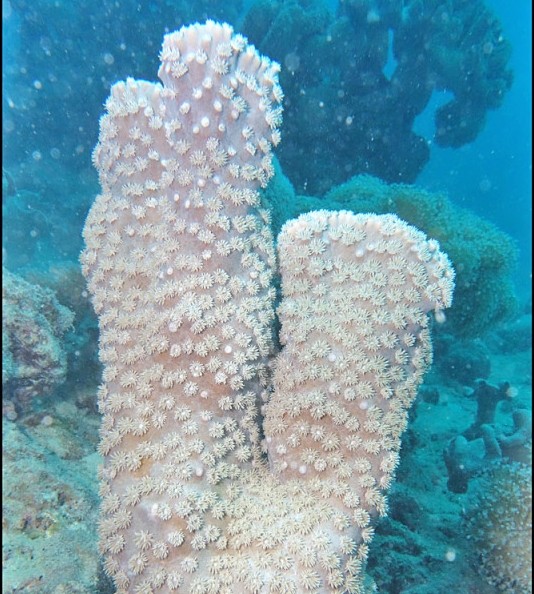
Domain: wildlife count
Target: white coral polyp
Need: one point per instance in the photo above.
(179, 260)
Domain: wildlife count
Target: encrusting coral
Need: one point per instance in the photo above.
(33, 327)
(218, 478)
(501, 527)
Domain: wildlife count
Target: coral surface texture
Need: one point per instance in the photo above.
(239, 459)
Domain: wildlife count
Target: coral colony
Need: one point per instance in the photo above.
(234, 464)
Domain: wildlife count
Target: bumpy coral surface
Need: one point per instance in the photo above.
(33, 326)
(356, 290)
(501, 526)
(179, 260)
(483, 256)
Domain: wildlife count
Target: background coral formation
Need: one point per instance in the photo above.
(501, 526)
(33, 352)
(393, 56)
(360, 73)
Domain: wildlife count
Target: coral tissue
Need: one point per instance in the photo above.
(224, 472)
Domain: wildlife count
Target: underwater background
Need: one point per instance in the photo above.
(417, 107)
